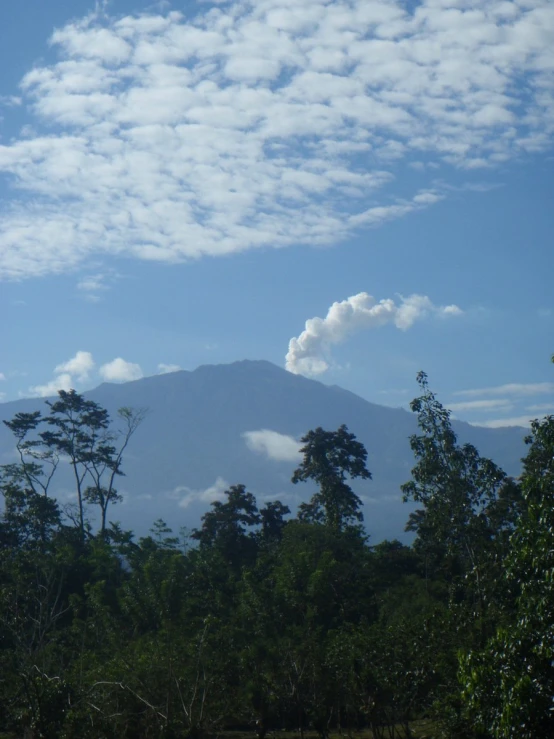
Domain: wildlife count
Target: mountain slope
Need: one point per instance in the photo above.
(194, 435)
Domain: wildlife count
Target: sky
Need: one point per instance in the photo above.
(355, 190)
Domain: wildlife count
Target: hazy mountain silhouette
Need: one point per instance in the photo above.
(193, 436)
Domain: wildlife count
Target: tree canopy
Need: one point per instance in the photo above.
(330, 458)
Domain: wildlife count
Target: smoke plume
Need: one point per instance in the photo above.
(308, 353)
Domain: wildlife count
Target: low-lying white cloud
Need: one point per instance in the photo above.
(273, 445)
(63, 381)
(308, 353)
(118, 370)
(81, 369)
(165, 369)
(81, 365)
(187, 495)
(497, 423)
(166, 137)
(513, 388)
(541, 407)
(67, 375)
(481, 405)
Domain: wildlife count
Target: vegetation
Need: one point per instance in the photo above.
(260, 621)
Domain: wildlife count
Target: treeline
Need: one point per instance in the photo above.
(263, 621)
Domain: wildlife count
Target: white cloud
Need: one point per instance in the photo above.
(92, 286)
(76, 369)
(379, 214)
(481, 405)
(118, 370)
(498, 423)
(10, 101)
(188, 495)
(165, 137)
(541, 407)
(80, 365)
(452, 310)
(2, 377)
(274, 445)
(513, 388)
(164, 369)
(308, 352)
(63, 381)
(91, 283)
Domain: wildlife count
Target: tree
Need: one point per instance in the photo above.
(469, 509)
(465, 512)
(330, 458)
(80, 431)
(104, 464)
(224, 528)
(28, 517)
(509, 684)
(33, 456)
(272, 517)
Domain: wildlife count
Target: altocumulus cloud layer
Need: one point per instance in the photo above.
(261, 123)
(308, 353)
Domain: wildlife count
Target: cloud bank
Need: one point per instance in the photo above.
(517, 389)
(63, 381)
(267, 123)
(80, 365)
(273, 445)
(516, 393)
(165, 369)
(498, 423)
(481, 405)
(209, 495)
(308, 353)
(118, 370)
(68, 375)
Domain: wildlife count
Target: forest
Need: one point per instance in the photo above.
(263, 620)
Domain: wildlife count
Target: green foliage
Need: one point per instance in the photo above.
(80, 431)
(469, 507)
(330, 458)
(268, 621)
(509, 684)
(29, 518)
(227, 528)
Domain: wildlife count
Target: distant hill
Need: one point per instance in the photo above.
(193, 440)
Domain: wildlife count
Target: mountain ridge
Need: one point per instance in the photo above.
(195, 439)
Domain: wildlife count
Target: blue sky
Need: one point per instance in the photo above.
(355, 190)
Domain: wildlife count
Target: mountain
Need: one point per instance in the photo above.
(193, 442)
